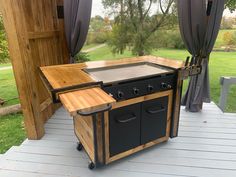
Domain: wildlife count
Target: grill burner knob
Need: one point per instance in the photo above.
(164, 85)
(150, 88)
(135, 91)
(120, 94)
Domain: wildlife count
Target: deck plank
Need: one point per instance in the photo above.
(206, 146)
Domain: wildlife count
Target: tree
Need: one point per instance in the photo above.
(4, 54)
(135, 23)
(231, 4)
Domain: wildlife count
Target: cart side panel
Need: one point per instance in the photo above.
(84, 131)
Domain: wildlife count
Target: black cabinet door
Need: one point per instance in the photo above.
(154, 119)
(124, 127)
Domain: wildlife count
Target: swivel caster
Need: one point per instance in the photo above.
(91, 166)
(79, 147)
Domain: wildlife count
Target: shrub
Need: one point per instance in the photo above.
(82, 57)
(4, 54)
(169, 39)
(97, 38)
(175, 41)
(229, 38)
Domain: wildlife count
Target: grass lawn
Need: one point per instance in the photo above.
(8, 89)
(89, 46)
(4, 64)
(12, 131)
(221, 64)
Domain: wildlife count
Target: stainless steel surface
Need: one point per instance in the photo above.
(126, 72)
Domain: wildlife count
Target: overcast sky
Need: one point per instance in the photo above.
(99, 10)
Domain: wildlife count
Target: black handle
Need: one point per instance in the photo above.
(107, 108)
(150, 111)
(126, 120)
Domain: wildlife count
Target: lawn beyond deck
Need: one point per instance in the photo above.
(206, 147)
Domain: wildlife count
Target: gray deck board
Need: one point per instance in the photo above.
(206, 147)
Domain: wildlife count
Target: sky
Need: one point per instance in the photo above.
(99, 10)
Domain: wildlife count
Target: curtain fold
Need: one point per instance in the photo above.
(199, 22)
(77, 14)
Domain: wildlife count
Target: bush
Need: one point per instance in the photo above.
(169, 39)
(82, 57)
(175, 41)
(97, 38)
(229, 38)
(4, 54)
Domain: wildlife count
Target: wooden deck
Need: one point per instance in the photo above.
(206, 147)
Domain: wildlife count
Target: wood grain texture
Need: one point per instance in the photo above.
(83, 127)
(72, 74)
(85, 100)
(176, 106)
(35, 39)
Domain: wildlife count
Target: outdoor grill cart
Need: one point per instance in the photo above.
(119, 107)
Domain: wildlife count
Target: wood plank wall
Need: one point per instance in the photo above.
(36, 38)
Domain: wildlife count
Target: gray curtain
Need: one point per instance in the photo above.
(199, 25)
(77, 15)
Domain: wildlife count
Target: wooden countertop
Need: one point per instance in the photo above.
(85, 100)
(78, 91)
(62, 76)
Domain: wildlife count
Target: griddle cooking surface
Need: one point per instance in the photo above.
(126, 72)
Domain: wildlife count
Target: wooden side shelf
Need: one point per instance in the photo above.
(89, 99)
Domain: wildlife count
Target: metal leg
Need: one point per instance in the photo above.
(94, 117)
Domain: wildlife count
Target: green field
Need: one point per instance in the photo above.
(12, 131)
(4, 65)
(8, 89)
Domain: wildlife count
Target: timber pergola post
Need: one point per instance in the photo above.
(35, 38)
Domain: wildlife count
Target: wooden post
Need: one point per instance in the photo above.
(34, 40)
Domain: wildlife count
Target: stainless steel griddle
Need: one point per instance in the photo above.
(118, 73)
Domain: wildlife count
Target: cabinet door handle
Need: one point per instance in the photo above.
(151, 111)
(107, 108)
(126, 120)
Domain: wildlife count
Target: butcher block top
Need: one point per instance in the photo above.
(62, 76)
(85, 100)
(77, 86)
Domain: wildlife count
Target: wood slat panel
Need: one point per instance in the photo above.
(85, 100)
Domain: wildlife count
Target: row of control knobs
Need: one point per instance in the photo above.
(150, 88)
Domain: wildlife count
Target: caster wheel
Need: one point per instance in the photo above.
(91, 166)
(79, 147)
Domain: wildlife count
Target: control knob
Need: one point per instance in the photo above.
(150, 88)
(120, 94)
(135, 91)
(165, 86)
